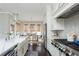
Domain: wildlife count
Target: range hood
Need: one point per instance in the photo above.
(70, 12)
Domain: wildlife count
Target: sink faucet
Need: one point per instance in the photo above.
(8, 36)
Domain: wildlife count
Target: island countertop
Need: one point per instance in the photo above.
(5, 45)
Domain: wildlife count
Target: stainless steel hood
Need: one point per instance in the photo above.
(72, 11)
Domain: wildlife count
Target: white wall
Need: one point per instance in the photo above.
(71, 25)
(4, 25)
(5, 21)
(32, 17)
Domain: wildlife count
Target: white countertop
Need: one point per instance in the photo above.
(5, 45)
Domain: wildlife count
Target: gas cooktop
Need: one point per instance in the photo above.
(69, 44)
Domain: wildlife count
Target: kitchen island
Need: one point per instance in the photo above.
(6, 45)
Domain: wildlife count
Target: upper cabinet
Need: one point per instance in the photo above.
(12, 28)
(52, 22)
(29, 27)
(63, 8)
(19, 26)
(32, 27)
(57, 24)
(38, 27)
(26, 26)
(12, 23)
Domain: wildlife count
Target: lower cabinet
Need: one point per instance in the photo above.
(62, 54)
(22, 48)
(55, 51)
(18, 50)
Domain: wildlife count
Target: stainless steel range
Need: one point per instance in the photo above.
(66, 48)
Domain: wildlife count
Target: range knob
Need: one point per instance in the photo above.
(57, 45)
(70, 53)
(64, 49)
(61, 49)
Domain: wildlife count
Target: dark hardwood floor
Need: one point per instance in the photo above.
(37, 50)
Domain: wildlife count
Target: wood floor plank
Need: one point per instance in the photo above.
(37, 50)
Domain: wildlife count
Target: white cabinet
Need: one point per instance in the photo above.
(12, 23)
(22, 47)
(57, 24)
(54, 51)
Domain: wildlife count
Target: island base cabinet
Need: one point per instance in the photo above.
(22, 48)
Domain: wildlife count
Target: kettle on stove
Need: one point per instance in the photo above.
(72, 37)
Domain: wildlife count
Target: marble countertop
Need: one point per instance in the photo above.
(5, 45)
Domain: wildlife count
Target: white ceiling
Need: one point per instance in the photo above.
(26, 11)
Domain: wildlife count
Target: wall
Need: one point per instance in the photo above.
(71, 25)
(5, 22)
(4, 25)
(32, 17)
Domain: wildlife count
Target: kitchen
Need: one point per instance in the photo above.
(53, 24)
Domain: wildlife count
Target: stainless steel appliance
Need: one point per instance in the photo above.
(65, 49)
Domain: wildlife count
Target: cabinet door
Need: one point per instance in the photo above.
(26, 28)
(32, 27)
(18, 27)
(12, 28)
(12, 23)
(57, 24)
(54, 51)
(22, 48)
(38, 27)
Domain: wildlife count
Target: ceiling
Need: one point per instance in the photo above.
(26, 11)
